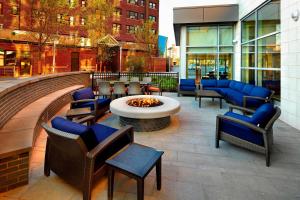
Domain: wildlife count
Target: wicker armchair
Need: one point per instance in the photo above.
(77, 153)
(254, 133)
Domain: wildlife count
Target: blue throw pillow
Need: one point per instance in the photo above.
(83, 131)
(263, 115)
(86, 93)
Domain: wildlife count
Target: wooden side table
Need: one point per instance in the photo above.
(136, 161)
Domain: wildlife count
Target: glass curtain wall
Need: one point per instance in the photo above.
(261, 47)
(210, 51)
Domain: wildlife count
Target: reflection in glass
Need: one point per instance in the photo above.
(269, 79)
(269, 52)
(202, 36)
(268, 18)
(226, 35)
(225, 66)
(205, 62)
(248, 76)
(201, 49)
(248, 55)
(248, 28)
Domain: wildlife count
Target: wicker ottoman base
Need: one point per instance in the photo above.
(146, 125)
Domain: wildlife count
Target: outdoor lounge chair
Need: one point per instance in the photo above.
(85, 98)
(134, 88)
(253, 133)
(186, 86)
(77, 153)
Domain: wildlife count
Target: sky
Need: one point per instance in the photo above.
(166, 14)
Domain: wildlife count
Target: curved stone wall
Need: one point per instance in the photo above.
(24, 92)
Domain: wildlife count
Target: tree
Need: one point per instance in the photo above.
(146, 35)
(47, 22)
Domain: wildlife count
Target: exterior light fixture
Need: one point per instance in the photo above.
(295, 15)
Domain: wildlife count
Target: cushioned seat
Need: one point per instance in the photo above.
(102, 132)
(100, 103)
(235, 97)
(187, 86)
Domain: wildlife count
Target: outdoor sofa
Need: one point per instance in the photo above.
(251, 132)
(239, 93)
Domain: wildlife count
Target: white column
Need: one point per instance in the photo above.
(182, 69)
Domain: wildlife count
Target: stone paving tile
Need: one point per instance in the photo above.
(192, 167)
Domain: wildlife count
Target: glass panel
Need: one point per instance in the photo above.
(269, 79)
(202, 50)
(1, 58)
(269, 52)
(248, 55)
(248, 76)
(206, 62)
(226, 35)
(226, 49)
(225, 66)
(248, 28)
(10, 58)
(202, 36)
(268, 18)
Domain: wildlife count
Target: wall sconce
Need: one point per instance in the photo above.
(295, 15)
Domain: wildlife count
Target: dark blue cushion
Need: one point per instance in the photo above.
(247, 89)
(102, 132)
(235, 97)
(231, 84)
(223, 83)
(86, 93)
(83, 131)
(241, 131)
(211, 88)
(209, 83)
(187, 82)
(238, 86)
(225, 91)
(263, 114)
(260, 92)
(187, 87)
(100, 102)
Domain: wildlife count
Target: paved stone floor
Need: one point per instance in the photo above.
(192, 168)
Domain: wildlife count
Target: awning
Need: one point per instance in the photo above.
(108, 40)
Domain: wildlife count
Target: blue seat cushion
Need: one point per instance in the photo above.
(223, 83)
(235, 97)
(100, 102)
(209, 83)
(86, 93)
(263, 114)
(102, 132)
(187, 87)
(83, 131)
(241, 131)
(211, 88)
(225, 91)
(190, 82)
(260, 92)
(247, 89)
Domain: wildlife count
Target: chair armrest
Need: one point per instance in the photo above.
(83, 101)
(127, 130)
(90, 119)
(238, 121)
(245, 98)
(231, 107)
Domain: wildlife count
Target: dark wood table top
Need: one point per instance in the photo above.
(208, 93)
(78, 112)
(136, 159)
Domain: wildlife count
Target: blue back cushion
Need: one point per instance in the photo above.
(231, 84)
(187, 82)
(247, 89)
(102, 132)
(263, 115)
(83, 131)
(260, 92)
(86, 93)
(209, 83)
(223, 83)
(238, 86)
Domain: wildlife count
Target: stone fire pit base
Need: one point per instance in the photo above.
(146, 125)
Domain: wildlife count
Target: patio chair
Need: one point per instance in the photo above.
(77, 153)
(187, 87)
(124, 78)
(134, 88)
(254, 133)
(134, 79)
(147, 79)
(104, 89)
(155, 88)
(85, 98)
(119, 89)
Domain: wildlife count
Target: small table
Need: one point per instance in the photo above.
(208, 94)
(136, 161)
(78, 113)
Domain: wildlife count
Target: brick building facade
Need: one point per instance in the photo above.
(18, 55)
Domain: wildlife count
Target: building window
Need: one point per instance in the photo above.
(82, 21)
(142, 16)
(1, 58)
(131, 29)
(116, 28)
(59, 18)
(15, 10)
(71, 20)
(72, 3)
(132, 15)
(83, 3)
(1, 8)
(135, 2)
(210, 51)
(152, 18)
(152, 5)
(117, 12)
(261, 57)
(142, 2)
(10, 58)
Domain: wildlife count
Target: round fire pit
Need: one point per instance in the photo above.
(145, 112)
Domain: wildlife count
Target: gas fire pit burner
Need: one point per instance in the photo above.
(145, 112)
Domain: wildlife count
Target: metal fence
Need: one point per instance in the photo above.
(168, 80)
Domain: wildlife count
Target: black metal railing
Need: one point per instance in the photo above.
(168, 80)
